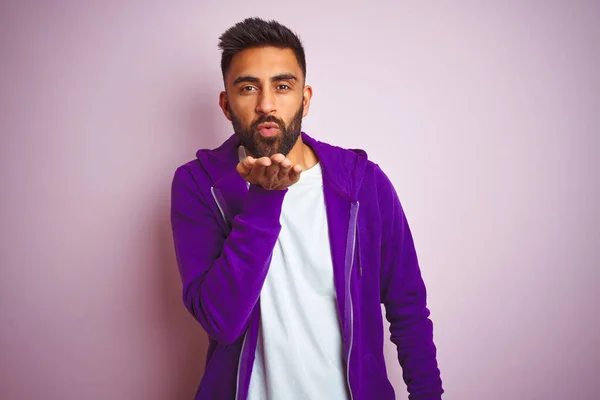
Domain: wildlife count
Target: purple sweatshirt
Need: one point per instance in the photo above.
(225, 232)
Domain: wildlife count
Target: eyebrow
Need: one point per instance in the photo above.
(253, 79)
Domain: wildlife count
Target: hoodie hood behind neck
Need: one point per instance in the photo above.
(343, 169)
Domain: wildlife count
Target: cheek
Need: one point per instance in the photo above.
(242, 116)
(289, 107)
(245, 107)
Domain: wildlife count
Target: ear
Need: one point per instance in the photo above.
(306, 97)
(224, 104)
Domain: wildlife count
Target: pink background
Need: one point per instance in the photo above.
(486, 115)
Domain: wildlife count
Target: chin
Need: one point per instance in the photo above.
(269, 151)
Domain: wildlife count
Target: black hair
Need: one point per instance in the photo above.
(256, 32)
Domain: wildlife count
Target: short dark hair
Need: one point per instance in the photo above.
(256, 32)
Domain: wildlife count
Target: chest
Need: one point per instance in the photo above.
(302, 254)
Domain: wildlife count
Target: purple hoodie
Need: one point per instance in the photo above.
(224, 234)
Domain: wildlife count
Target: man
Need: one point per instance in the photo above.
(287, 246)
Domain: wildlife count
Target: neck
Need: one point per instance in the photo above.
(303, 155)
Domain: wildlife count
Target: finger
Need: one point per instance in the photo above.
(284, 169)
(271, 175)
(277, 158)
(294, 174)
(258, 169)
(245, 166)
(264, 161)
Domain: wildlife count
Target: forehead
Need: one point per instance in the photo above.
(263, 62)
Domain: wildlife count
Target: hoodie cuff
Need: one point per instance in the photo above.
(264, 204)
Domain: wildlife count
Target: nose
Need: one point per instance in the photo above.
(266, 102)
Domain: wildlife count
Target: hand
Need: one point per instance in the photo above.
(275, 173)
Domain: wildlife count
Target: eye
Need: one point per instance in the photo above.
(283, 87)
(248, 88)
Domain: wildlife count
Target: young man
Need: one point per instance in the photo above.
(287, 246)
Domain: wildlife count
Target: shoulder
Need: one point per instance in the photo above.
(190, 179)
(191, 171)
(378, 189)
(375, 175)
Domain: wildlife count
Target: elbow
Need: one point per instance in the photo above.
(227, 337)
(223, 330)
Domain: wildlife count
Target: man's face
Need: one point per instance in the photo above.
(266, 99)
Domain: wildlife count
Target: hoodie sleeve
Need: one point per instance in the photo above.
(404, 295)
(222, 275)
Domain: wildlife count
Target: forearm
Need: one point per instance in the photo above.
(223, 299)
(412, 333)
(223, 275)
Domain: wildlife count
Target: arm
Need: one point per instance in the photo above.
(404, 295)
(222, 275)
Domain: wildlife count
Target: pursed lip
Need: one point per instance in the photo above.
(268, 129)
(267, 125)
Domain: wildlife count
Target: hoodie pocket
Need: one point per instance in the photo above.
(375, 378)
(371, 365)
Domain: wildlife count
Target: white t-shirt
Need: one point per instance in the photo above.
(299, 349)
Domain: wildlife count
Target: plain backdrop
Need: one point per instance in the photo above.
(486, 116)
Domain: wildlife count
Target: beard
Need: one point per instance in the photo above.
(257, 145)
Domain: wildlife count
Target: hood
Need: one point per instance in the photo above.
(343, 169)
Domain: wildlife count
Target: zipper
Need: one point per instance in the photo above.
(354, 218)
(212, 191)
(237, 380)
